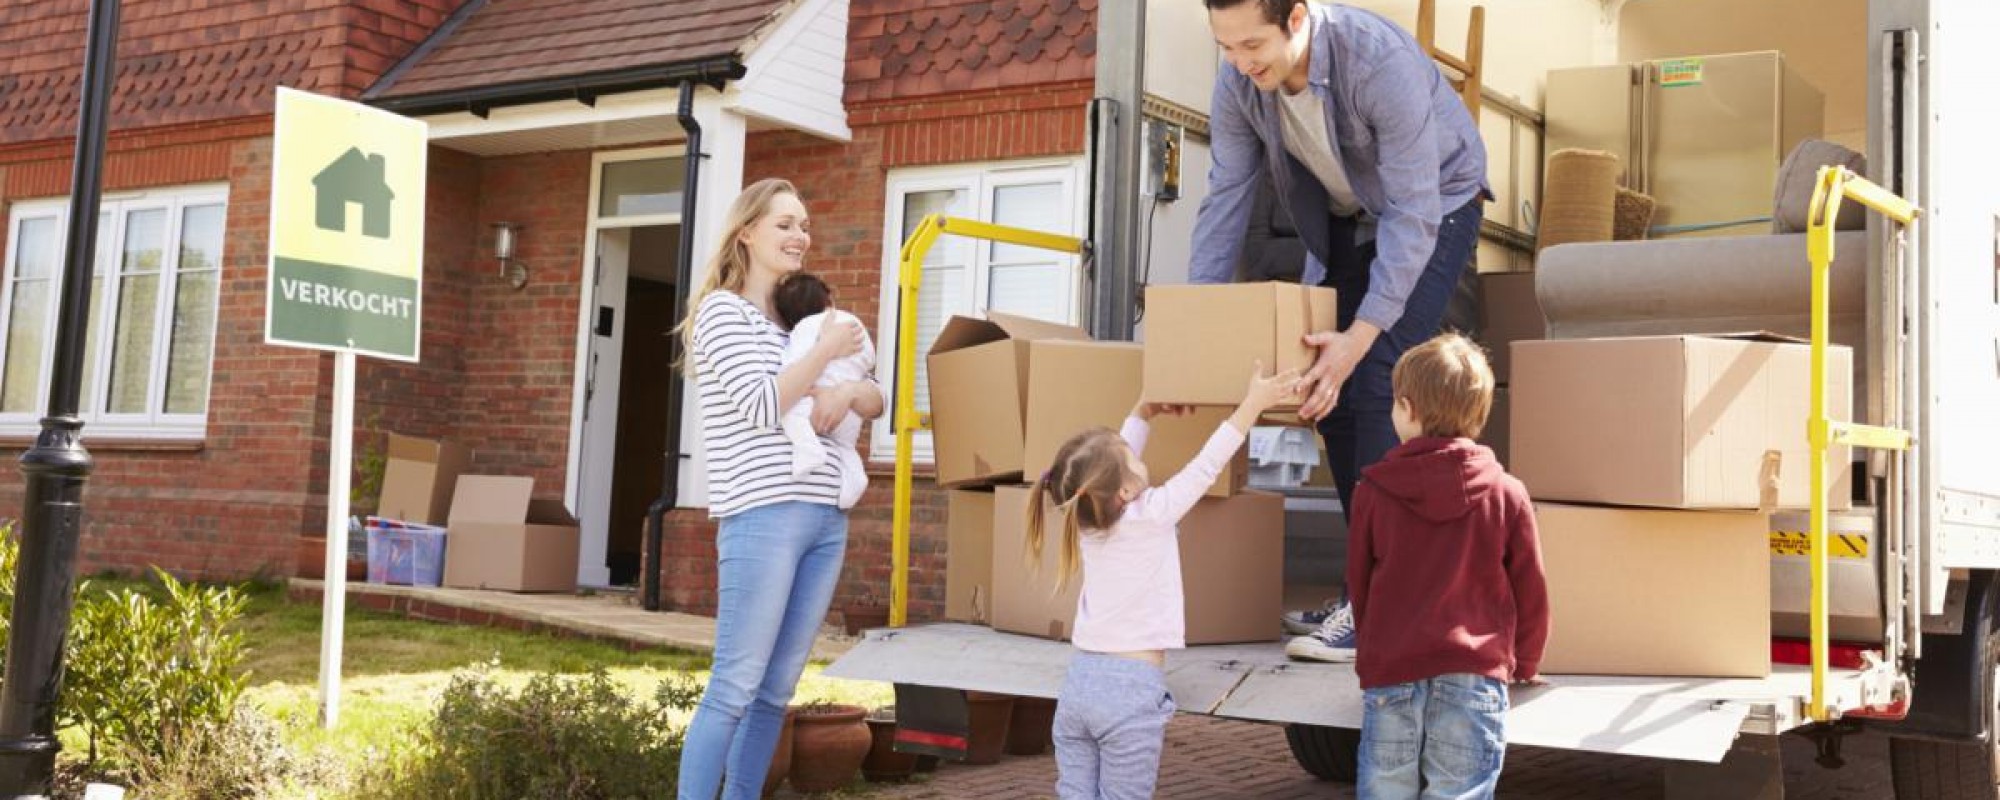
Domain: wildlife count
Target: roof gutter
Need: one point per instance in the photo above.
(714, 72)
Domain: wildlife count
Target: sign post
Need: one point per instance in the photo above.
(346, 275)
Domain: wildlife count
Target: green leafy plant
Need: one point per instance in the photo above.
(569, 737)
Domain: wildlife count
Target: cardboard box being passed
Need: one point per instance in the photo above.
(419, 478)
(978, 374)
(1672, 421)
(500, 538)
(1656, 592)
(1202, 341)
(1232, 569)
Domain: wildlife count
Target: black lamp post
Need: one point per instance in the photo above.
(57, 466)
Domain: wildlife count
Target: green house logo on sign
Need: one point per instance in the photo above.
(347, 192)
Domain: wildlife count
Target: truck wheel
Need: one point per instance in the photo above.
(1328, 753)
(1932, 770)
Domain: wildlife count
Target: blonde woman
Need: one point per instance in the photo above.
(781, 539)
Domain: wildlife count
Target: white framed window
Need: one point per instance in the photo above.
(154, 290)
(968, 277)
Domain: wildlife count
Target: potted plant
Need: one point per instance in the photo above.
(829, 742)
(781, 758)
(884, 764)
(864, 613)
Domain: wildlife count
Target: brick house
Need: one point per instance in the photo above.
(562, 119)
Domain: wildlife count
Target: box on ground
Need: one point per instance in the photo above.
(1232, 569)
(978, 375)
(418, 479)
(1511, 313)
(968, 556)
(503, 539)
(410, 555)
(1656, 592)
(1854, 596)
(1202, 341)
(1673, 421)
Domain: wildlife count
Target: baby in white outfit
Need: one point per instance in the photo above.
(805, 305)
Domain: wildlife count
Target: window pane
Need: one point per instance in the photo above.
(1043, 291)
(38, 251)
(1035, 206)
(954, 250)
(145, 241)
(101, 264)
(942, 293)
(27, 320)
(132, 344)
(652, 186)
(193, 336)
(193, 339)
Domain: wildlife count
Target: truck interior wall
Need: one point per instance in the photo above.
(1962, 221)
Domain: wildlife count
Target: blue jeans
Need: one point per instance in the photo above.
(776, 569)
(1358, 431)
(1437, 739)
(1111, 723)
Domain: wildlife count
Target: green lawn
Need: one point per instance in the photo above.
(395, 669)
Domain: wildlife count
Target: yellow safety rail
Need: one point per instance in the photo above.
(909, 279)
(1834, 184)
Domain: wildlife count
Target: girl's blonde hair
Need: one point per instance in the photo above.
(730, 264)
(1084, 485)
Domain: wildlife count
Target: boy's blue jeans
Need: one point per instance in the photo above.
(1437, 739)
(1358, 431)
(775, 572)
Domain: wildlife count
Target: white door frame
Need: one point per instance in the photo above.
(592, 502)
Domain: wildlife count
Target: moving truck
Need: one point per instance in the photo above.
(1925, 342)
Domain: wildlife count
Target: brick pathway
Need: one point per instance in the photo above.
(1210, 758)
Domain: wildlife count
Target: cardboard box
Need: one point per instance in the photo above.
(1656, 592)
(502, 539)
(419, 478)
(1672, 421)
(979, 394)
(1175, 440)
(1854, 596)
(1232, 570)
(1202, 341)
(1510, 313)
(968, 556)
(1072, 387)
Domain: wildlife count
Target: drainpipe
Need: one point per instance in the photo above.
(656, 514)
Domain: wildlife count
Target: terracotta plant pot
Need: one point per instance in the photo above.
(859, 617)
(781, 758)
(311, 561)
(884, 764)
(988, 715)
(828, 745)
(1031, 729)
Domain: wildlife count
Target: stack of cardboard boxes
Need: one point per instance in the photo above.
(1006, 392)
(1656, 463)
(496, 537)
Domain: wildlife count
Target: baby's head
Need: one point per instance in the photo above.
(1444, 388)
(800, 295)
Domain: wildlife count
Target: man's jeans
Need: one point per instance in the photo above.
(1358, 431)
(1437, 739)
(775, 573)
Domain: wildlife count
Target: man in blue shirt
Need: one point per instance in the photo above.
(1383, 172)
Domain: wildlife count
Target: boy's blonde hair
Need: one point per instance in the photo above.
(1083, 486)
(1449, 386)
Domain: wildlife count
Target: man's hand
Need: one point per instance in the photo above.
(1339, 352)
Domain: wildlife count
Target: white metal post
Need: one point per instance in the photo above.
(333, 606)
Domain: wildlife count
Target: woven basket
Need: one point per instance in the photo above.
(1633, 215)
(1579, 198)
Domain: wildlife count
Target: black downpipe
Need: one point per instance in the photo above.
(656, 514)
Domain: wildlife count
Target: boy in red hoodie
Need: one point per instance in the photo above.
(1445, 573)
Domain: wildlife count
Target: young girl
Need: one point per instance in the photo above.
(1111, 715)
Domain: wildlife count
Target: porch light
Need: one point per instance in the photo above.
(515, 272)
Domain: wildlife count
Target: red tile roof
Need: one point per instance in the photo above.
(502, 42)
(182, 62)
(901, 48)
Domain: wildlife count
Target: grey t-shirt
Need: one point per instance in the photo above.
(1307, 139)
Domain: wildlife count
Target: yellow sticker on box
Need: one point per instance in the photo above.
(1680, 72)
(1838, 545)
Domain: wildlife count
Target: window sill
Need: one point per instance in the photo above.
(117, 444)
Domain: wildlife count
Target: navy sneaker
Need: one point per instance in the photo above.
(1301, 623)
(1333, 641)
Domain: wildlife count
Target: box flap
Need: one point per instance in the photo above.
(549, 512)
(961, 332)
(500, 499)
(1755, 336)
(411, 448)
